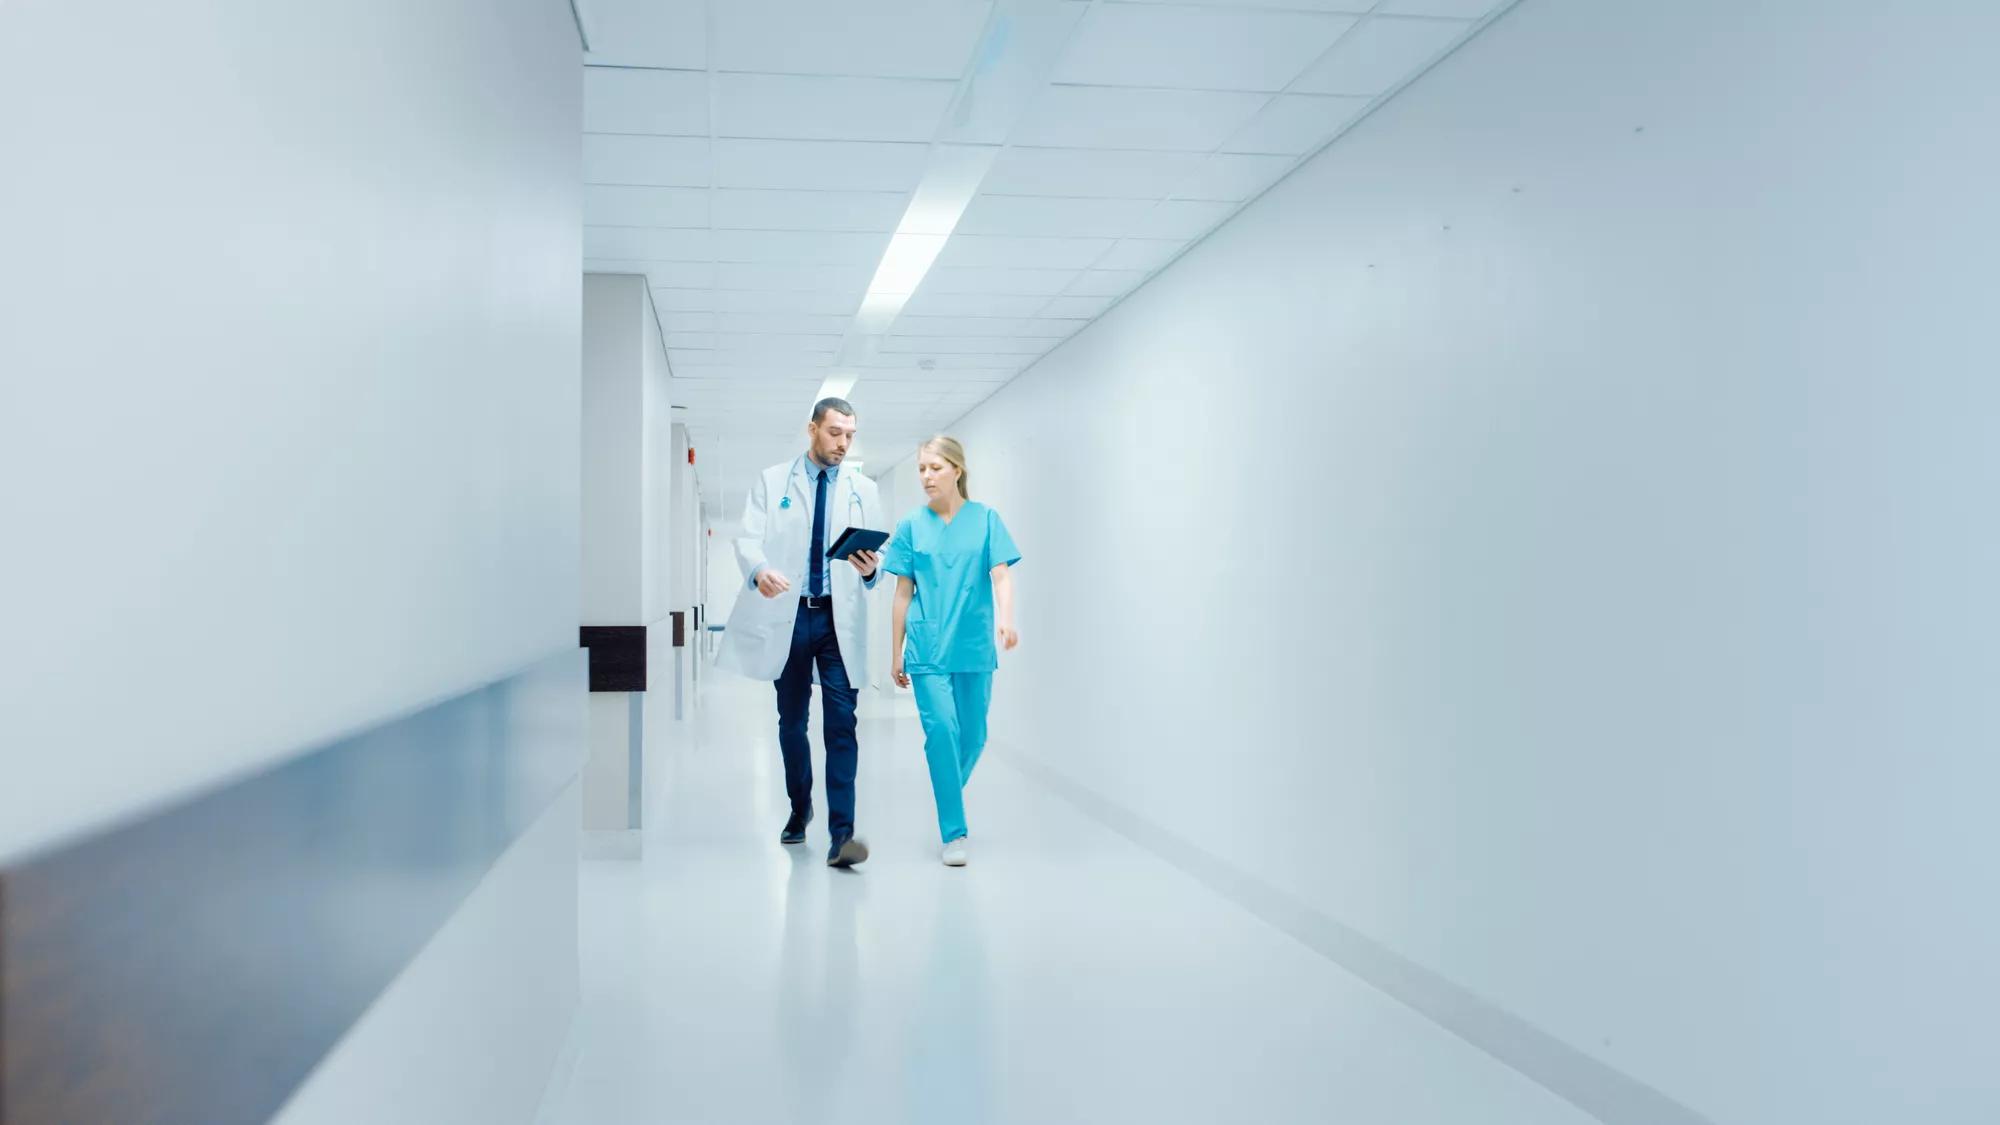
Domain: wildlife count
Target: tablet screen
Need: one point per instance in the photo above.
(856, 539)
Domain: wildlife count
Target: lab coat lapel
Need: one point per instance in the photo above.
(798, 487)
(838, 497)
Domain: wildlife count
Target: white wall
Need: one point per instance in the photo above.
(468, 1031)
(288, 380)
(618, 520)
(632, 516)
(1590, 463)
(684, 524)
(901, 491)
(630, 483)
(725, 578)
(658, 505)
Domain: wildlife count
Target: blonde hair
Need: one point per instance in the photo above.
(954, 455)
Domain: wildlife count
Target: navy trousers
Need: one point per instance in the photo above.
(814, 644)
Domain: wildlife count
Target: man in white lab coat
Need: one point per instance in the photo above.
(812, 612)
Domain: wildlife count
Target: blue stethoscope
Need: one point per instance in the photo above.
(798, 465)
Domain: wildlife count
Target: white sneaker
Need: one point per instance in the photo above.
(954, 853)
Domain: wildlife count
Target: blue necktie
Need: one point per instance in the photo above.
(817, 584)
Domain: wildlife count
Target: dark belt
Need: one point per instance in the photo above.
(816, 603)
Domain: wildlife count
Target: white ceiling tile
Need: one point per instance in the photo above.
(1182, 218)
(680, 273)
(1040, 215)
(1141, 254)
(758, 389)
(1455, 9)
(878, 392)
(1104, 283)
(958, 326)
(1196, 48)
(805, 248)
(1052, 328)
(892, 429)
(909, 399)
(959, 391)
(1077, 307)
(731, 386)
(684, 300)
(820, 165)
(1084, 172)
(667, 161)
(979, 250)
(1026, 41)
(1349, 7)
(776, 342)
(895, 429)
(783, 323)
(665, 102)
(1234, 176)
(888, 38)
(619, 206)
(1014, 282)
(691, 275)
(650, 243)
(811, 302)
(1378, 54)
(655, 33)
(1295, 124)
(797, 107)
(851, 280)
(933, 303)
(748, 209)
(968, 345)
(776, 359)
(1107, 117)
(969, 367)
(687, 321)
(1041, 345)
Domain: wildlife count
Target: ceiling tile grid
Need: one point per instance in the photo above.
(1163, 119)
(753, 158)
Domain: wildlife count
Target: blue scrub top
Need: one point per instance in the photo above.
(950, 626)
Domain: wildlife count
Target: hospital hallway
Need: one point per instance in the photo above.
(1067, 974)
(1470, 527)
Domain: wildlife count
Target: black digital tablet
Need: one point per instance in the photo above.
(856, 539)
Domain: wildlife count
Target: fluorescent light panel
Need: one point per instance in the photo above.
(838, 385)
(878, 312)
(949, 183)
(904, 265)
(1021, 42)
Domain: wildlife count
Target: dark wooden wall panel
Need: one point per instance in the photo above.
(194, 965)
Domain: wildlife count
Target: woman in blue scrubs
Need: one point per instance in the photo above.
(954, 613)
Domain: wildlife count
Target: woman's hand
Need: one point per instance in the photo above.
(897, 674)
(1007, 637)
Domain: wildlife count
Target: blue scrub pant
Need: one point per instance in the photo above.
(953, 708)
(814, 642)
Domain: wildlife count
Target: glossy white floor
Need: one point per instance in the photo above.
(1067, 975)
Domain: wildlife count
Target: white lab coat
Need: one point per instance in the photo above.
(758, 641)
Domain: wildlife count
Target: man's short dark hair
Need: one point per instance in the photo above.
(838, 405)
